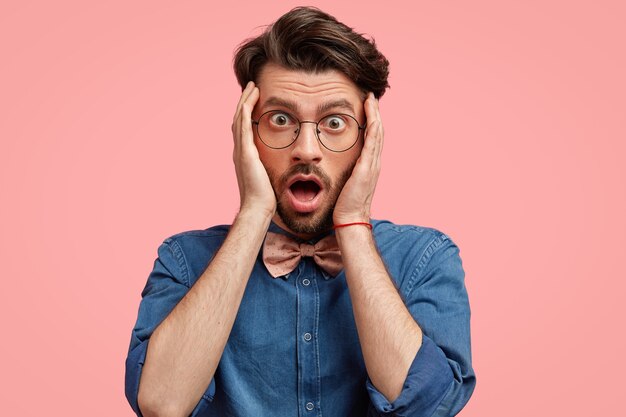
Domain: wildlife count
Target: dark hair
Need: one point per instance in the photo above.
(308, 39)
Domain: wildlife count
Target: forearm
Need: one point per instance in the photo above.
(186, 347)
(389, 336)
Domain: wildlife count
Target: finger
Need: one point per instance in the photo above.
(244, 96)
(252, 97)
(246, 116)
(381, 133)
(249, 97)
(373, 130)
(370, 150)
(246, 93)
(248, 106)
(373, 117)
(379, 149)
(371, 110)
(374, 136)
(236, 115)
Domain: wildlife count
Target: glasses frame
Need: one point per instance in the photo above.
(317, 131)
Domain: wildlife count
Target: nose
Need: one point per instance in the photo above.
(307, 148)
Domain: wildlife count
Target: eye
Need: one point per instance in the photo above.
(281, 119)
(334, 122)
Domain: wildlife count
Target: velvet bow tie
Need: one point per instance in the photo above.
(281, 254)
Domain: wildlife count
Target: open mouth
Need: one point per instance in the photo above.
(305, 191)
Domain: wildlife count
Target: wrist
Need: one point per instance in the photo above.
(341, 225)
(351, 218)
(256, 214)
(355, 234)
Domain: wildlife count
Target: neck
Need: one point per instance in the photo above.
(304, 236)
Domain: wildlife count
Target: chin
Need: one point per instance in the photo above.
(313, 223)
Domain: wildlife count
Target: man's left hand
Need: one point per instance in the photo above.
(353, 204)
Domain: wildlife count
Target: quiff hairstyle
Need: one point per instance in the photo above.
(310, 40)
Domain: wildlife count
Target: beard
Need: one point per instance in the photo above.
(318, 221)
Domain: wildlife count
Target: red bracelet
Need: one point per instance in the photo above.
(337, 226)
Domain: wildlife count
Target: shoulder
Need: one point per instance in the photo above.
(198, 241)
(409, 250)
(193, 250)
(215, 233)
(389, 234)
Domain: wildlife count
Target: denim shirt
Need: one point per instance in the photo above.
(294, 348)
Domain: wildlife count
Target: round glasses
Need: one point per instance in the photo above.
(278, 129)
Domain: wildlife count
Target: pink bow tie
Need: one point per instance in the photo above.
(281, 254)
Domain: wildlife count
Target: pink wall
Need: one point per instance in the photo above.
(505, 128)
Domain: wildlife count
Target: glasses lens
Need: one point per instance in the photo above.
(277, 129)
(338, 132)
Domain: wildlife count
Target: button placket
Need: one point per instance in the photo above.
(307, 349)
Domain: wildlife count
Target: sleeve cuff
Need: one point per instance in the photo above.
(134, 366)
(427, 382)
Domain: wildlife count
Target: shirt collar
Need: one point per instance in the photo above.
(277, 229)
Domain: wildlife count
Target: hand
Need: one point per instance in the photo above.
(255, 190)
(353, 204)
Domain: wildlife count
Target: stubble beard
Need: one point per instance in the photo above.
(318, 221)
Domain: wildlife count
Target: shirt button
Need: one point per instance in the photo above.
(306, 282)
(310, 406)
(307, 338)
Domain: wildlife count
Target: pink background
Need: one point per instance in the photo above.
(505, 128)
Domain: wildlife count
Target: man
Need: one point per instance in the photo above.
(304, 306)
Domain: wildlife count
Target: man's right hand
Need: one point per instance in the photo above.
(186, 347)
(255, 190)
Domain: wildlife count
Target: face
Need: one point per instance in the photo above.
(307, 178)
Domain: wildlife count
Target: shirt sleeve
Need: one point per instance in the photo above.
(167, 284)
(441, 379)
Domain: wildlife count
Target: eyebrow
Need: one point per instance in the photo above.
(337, 104)
(275, 101)
(322, 108)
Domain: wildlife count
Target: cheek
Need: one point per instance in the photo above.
(265, 154)
(342, 167)
(275, 161)
(353, 154)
